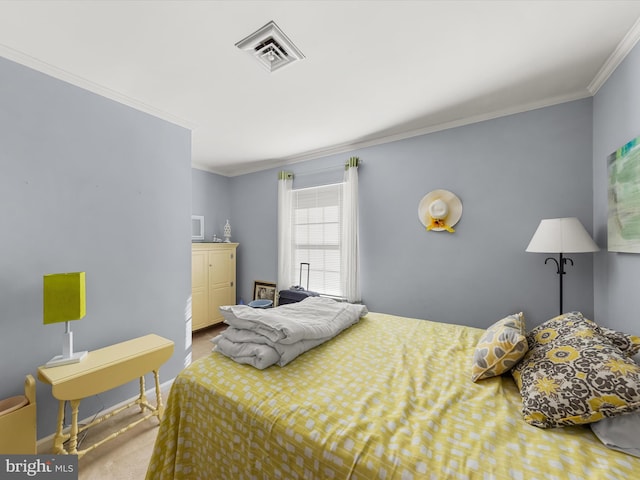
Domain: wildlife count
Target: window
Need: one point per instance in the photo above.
(316, 236)
(319, 226)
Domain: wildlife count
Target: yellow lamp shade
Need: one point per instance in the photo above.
(64, 297)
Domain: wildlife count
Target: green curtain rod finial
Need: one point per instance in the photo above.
(284, 175)
(353, 162)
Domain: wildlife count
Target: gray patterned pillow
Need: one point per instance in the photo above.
(573, 374)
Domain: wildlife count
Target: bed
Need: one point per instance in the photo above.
(388, 398)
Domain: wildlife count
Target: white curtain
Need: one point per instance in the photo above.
(285, 213)
(350, 265)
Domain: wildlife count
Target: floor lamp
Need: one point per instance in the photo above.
(561, 235)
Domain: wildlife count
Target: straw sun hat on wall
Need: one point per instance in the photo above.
(440, 210)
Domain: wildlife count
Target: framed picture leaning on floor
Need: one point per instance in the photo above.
(264, 291)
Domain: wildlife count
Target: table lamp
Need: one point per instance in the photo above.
(561, 235)
(64, 301)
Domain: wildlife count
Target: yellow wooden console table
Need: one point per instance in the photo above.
(100, 371)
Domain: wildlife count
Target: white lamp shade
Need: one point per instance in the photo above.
(561, 235)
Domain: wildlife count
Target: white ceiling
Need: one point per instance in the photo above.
(374, 71)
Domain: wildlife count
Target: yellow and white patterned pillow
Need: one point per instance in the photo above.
(574, 373)
(500, 348)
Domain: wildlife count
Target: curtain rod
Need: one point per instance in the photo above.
(352, 162)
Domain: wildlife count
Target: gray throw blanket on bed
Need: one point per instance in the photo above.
(265, 337)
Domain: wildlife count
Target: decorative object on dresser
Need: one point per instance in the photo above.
(561, 235)
(227, 232)
(213, 281)
(197, 227)
(64, 301)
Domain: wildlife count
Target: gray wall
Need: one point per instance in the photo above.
(616, 120)
(254, 200)
(210, 198)
(509, 173)
(87, 184)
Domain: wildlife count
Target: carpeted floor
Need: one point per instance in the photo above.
(126, 457)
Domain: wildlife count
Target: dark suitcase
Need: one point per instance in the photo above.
(297, 293)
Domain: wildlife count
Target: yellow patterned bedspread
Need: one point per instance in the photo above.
(389, 398)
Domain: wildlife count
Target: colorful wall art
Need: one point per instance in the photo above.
(623, 226)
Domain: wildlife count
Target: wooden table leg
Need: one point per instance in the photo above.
(73, 439)
(142, 399)
(58, 440)
(159, 405)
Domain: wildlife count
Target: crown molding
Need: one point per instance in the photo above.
(619, 54)
(68, 77)
(351, 146)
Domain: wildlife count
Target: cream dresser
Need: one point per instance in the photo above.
(213, 281)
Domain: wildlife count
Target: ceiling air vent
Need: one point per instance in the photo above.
(271, 47)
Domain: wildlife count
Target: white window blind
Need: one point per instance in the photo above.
(316, 237)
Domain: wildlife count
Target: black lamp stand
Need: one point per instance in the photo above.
(560, 263)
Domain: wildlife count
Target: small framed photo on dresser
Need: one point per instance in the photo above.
(197, 227)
